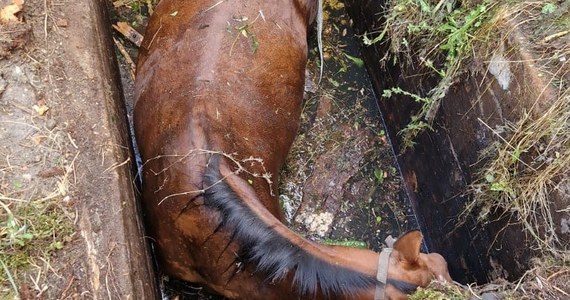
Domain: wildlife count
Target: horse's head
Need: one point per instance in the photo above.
(408, 268)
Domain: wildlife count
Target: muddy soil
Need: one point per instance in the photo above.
(340, 182)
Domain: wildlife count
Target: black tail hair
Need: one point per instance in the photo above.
(272, 254)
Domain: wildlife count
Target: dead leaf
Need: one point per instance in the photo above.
(129, 32)
(59, 22)
(41, 109)
(38, 139)
(8, 13)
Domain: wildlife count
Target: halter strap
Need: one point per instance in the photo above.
(382, 274)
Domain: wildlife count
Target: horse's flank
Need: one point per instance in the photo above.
(229, 79)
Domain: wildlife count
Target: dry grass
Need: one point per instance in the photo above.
(523, 170)
(548, 279)
(529, 163)
(35, 221)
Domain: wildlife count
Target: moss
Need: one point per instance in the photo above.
(439, 291)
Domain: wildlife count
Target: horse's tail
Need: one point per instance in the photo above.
(269, 245)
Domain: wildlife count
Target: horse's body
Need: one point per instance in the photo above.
(205, 90)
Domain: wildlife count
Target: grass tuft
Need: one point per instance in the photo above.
(529, 162)
(442, 37)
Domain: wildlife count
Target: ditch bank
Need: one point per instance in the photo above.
(66, 159)
(438, 170)
(111, 223)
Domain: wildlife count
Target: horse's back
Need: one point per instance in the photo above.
(214, 76)
(233, 65)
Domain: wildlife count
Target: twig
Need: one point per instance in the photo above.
(211, 7)
(117, 165)
(238, 163)
(130, 33)
(72, 141)
(506, 142)
(154, 35)
(64, 292)
(438, 6)
(522, 278)
(473, 292)
(559, 290)
(127, 57)
(557, 273)
(555, 36)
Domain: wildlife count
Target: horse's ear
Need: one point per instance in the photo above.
(408, 246)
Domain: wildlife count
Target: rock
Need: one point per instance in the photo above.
(487, 296)
(50, 124)
(19, 94)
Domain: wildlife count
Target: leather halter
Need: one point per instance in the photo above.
(382, 274)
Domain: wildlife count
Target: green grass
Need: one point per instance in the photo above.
(440, 291)
(29, 235)
(447, 36)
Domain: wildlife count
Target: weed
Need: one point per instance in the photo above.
(447, 34)
(437, 290)
(417, 123)
(379, 175)
(34, 221)
(33, 230)
(13, 233)
(523, 169)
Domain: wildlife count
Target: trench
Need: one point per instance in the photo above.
(378, 189)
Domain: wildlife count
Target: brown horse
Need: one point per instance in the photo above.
(218, 97)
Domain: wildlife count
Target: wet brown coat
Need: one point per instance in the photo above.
(202, 84)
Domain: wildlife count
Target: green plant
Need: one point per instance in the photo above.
(12, 232)
(522, 169)
(346, 243)
(448, 34)
(439, 290)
